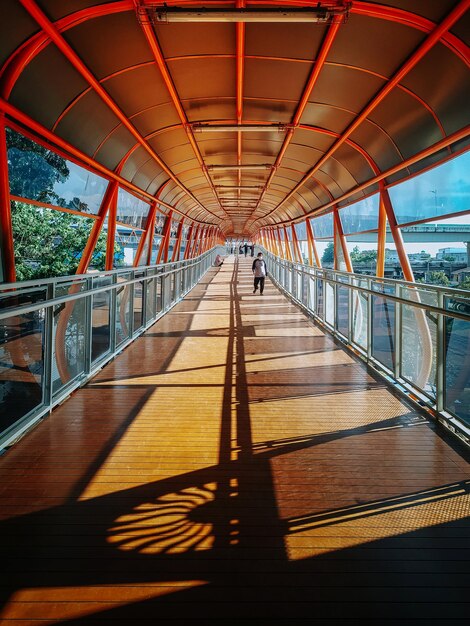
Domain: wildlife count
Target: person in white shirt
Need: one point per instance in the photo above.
(259, 273)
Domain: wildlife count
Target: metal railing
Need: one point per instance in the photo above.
(416, 335)
(56, 333)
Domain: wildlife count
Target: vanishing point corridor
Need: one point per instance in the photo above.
(235, 465)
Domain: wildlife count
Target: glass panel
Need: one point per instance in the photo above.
(457, 361)
(441, 191)
(311, 293)
(322, 226)
(138, 304)
(419, 342)
(319, 290)
(359, 315)
(360, 216)
(383, 328)
(131, 209)
(150, 300)
(40, 174)
(69, 349)
(342, 310)
(301, 231)
(100, 334)
(123, 310)
(159, 295)
(21, 365)
(330, 304)
(128, 241)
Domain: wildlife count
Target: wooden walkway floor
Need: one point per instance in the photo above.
(235, 466)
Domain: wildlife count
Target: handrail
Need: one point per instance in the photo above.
(433, 371)
(50, 347)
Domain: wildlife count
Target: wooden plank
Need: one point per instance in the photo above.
(235, 464)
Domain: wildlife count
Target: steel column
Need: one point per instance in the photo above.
(338, 227)
(381, 237)
(312, 245)
(163, 250)
(179, 234)
(7, 250)
(111, 235)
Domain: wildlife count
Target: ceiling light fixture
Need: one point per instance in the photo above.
(199, 127)
(257, 166)
(320, 13)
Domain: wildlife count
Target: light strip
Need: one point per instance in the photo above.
(259, 166)
(223, 187)
(318, 14)
(199, 127)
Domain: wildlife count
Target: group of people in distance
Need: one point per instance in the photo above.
(258, 268)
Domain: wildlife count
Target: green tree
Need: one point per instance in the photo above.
(465, 284)
(437, 278)
(449, 258)
(50, 243)
(47, 242)
(329, 253)
(355, 254)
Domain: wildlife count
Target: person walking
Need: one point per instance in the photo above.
(259, 273)
(246, 248)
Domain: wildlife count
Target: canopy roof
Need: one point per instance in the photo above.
(359, 97)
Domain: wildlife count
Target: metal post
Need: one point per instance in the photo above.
(111, 235)
(7, 253)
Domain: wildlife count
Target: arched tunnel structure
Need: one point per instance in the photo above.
(214, 456)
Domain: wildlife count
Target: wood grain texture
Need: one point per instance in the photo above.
(235, 465)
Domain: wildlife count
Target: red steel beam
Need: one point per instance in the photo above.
(381, 238)
(49, 28)
(6, 229)
(463, 133)
(177, 248)
(312, 80)
(163, 249)
(312, 244)
(397, 236)
(188, 242)
(69, 151)
(111, 235)
(433, 38)
(338, 227)
(87, 255)
(154, 45)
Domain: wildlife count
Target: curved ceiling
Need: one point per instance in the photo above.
(357, 98)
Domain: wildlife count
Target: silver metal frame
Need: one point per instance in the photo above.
(399, 294)
(175, 281)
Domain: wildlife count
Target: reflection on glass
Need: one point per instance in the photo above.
(131, 209)
(37, 173)
(441, 191)
(159, 295)
(69, 346)
(457, 361)
(138, 304)
(330, 304)
(123, 310)
(419, 342)
(21, 365)
(322, 226)
(383, 330)
(360, 216)
(150, 300)
(319, 290)
(100, 333)
(311, 293)
(342, 310)
(359, 317)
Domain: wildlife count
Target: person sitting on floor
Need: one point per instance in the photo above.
(218, 261)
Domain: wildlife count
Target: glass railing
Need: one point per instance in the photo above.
(56, 333)
(416, 335)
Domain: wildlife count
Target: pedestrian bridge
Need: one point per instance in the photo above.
(235, 463)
